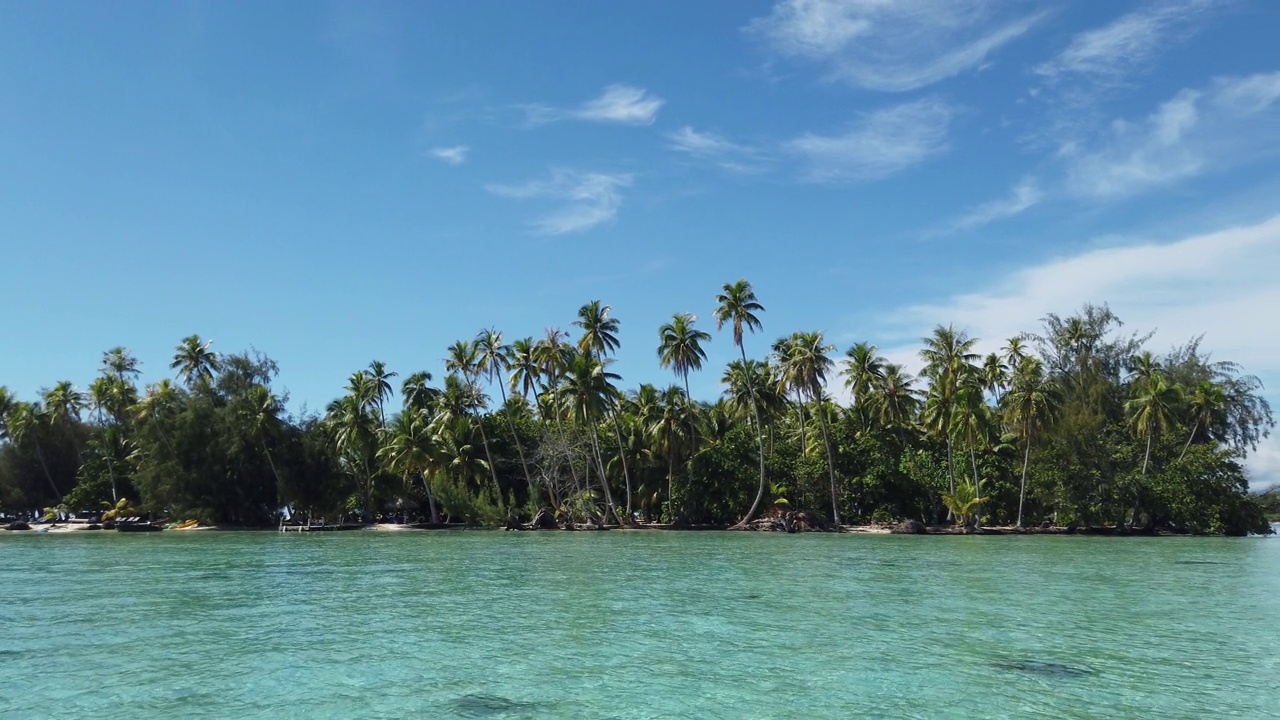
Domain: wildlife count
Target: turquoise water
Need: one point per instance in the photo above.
(478, 624)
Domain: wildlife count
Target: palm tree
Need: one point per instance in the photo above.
(863, 368)
(680, 348)
(805, 369)
(948, 356)
(493, 359)
(973, 422)
(194, 361)
(63, 402)
(600, 339)
(24, 420)
(1206, 407)
(995, 375)
(667, 433)
(1031, 402)
(410, 450)
(522, 361)
(589, 392)
(417, 395)
(894, 400)
(120, 364)
(464, 359)
(355, 434)
(737, 306)
(261, 418)
(1152, 410)
(380, 380)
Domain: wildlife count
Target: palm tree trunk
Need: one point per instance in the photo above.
(45, 468)
(804, 446)
(1195, 426)
(831, 466)
(1137, 493)
(511, 425)
(671, 471)
(693, 437)
(755, 409)
(622, 455)
(272, 464)
(493, 472)
(1026, 460)
(431, 500)
(977, 486)
(604, 479)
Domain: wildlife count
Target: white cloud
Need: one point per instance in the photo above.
(455, 155)
(586, 199)
(891, 45)
(879, 144)
(1222, 284)
(1025, 195)
(1234, 120)
(1128, 44)
(622, 104)
(731, 156)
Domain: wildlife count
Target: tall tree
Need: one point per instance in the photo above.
(600, 340)
(493, 358)
(464, 359)
(806, 369)
(194, 361)
(1029, 405)
(680, 348)
(738, 307)
(948, 355)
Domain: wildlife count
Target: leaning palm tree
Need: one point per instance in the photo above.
(410, 452)
(600, 339)
(194, 361)
(973, 423)
(1032, 401)
(589, 393)
(1152, 411)
(354, 432)
(492, 356)
(25, 420)
(806, 369)
(737, 306)
(680, 348)
(464, 359)
(261, 420)
(1206, 407)
(380, 384)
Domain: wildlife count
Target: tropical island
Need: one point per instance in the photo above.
(1073, 424)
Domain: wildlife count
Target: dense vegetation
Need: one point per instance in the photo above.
(1077, 422)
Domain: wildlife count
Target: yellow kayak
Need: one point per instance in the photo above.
(186, 524)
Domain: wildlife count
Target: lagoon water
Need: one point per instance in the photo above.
(481, 624)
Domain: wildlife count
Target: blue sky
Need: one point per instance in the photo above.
(333, 183)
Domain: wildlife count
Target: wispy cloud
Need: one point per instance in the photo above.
(1220, 283)
(879, 144)
(585, 199)
(621, 104)
(1129, 43)
(1234, 120)
(1025, 195)
(714, 147)
(455, 155)
(891, 45)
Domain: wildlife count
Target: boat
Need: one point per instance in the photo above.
(138, 527)
(186, 524)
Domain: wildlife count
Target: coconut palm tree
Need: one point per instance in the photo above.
(806, 369)
(995, 375)
(1152, 410)
(464, 359)
(411, 451)
(120, 364)
(194, 361)
(973, 423)
(589, 393)
(680, 348)
(668, 434)
(380, 382)
(1032, 401)
(355, 435)
(1206, 406)
(948, 356)
(600, 339)
(261, 420)
(417, 395)
(492, 357)
(25, 420)
(894, 401)
(737, 306)
(863, 368)
(522, 361)
(63, 403)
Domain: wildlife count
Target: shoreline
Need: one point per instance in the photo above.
(917, 529)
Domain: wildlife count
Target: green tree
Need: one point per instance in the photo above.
(194, 361)
(738, 307)
(680, 348)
